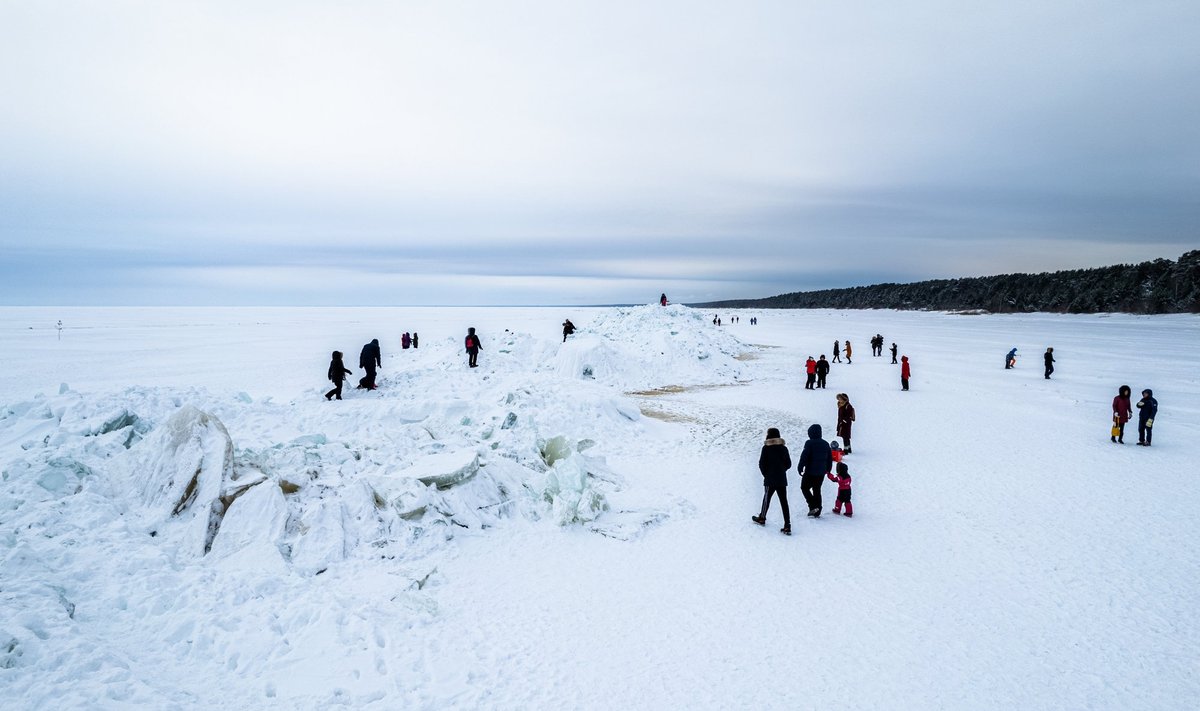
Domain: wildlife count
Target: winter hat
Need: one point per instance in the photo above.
(833, 444)
(1148, 392)
(772, 433)
(842, 469)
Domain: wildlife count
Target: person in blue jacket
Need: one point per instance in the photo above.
(1147, 409)
(815, 462)
(1011, 359)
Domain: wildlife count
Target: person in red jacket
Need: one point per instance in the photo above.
(905, 372)
(1122, 411)
(810, 367)
(843, 481)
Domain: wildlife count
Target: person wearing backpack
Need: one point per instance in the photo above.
(473, 347)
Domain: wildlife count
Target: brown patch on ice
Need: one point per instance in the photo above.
(667, 416)
(676, 389)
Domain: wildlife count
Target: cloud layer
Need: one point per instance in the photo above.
(592, 152)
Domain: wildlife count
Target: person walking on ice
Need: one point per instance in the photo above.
(842, 478)
(471, 342)
(773, 463)
(893, 354)
(337, 373)
(848, 352)
(816, 460)
(1147, 409)
(837, 352)
(369, 359)
(1048, 356)
(1010, 360)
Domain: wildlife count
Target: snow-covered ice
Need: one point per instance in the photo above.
(186, 522)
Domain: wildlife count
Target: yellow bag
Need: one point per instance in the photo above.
(1116, 430)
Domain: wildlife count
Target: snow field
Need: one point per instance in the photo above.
(521, 536)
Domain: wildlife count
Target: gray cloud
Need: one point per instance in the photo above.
(160, 152)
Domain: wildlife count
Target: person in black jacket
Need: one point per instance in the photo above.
(774, 463)
(1147, 409)
(822, 371)
(473, 347)
(815, 462)
(568, 329)
(369, 360)
(1048, 356)
(337, 373)
(893, 353)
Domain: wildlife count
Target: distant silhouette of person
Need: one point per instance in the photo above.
(837, 352)
(1048, 356)
(405, 341)
(337, 373)
(1010, 360)
(473, 347)
(568, 329)
(662, 300)
(369, 360)
(822, 371)
(414, 339)
(893, 353)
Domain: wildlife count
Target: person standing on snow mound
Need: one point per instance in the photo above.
(845, 419)
(568, 329)
(1010, 360)
(473, 347)
(1048, 356)
(405, 341)
(822, 371)
(414, 339)
(1121, 413)
(337, 373)
(662, 300)
(1147, 409)
(810, 370)
(369, 360)
(815, 462)
(905, 372)
(773, 463)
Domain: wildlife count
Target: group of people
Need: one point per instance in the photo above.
(369, 359)
(819, 369)
(1122, 412)
(1010, 361)
(819, 460)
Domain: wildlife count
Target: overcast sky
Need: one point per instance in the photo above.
(562, 152)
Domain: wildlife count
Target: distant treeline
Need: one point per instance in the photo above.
(1157, 287)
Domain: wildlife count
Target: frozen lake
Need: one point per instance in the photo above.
(545, 532)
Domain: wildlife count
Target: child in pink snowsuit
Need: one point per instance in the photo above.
(843, 481)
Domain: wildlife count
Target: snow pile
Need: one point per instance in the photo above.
(644, 347)
(306, 485)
